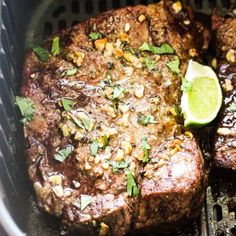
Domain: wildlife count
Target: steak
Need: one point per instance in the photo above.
(108, 152)
(225, 140)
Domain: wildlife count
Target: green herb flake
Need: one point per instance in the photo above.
(41, 53)
(149, 119)
(145, 147)
(186, 85)
(105, 141)
(55, 46)
(177, 110)
(76, 121)
(150, 64)
(232, 107)
(117, 165)
(94, 36)
(64, 153)
(94, 147)
(174, 65)
(131, 186)
(117, 92)
(163, 49)
(86, 123)
(67, 104)
(69, 72)
(85, 200)
(26, 107)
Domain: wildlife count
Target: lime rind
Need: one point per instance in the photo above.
(196, 70)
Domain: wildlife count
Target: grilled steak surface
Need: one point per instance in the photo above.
(128, 164)
(225, 140)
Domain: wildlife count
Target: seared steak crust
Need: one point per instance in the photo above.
(225, 140)
(114, 87)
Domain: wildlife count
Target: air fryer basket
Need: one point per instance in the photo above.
(26, 23)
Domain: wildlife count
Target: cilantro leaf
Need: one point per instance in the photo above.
(85, 200)
(174, 65)
(163, 49)
(131, 186)
(105, 141)
(69, 72)
(26, 107)
(186, 85)
(94, 36)
(232, 107)
(117, 92)
(64, 153)
(145, 147)
(41, 53)
(94, 147)
(76, 121)
(144, 120)
(150, 64)
(55, 46)
(67, 104)
(87, 123)
(117, 165)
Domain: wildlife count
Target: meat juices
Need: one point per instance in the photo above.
(129, 96)
(225, 140)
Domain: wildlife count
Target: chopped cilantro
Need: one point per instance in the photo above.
(105, 141)
(117, 165)
(85, 200)
(41, 53)
(94, 36)
(144, 120)
(177, 110)
(76, 121)
(26, 107)
(163, 49)
(145, 147)
(67, 104)
(69, 72)
(55, 46)
(64, 153)
(174, 65)
(150, 64)
(87, 123)
(186, 85)
(94, 147)
(232, 107)
(117, 92)
(131, 186)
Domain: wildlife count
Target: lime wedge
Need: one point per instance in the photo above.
(202, 95)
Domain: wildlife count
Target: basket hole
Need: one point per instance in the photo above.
(217, 213)
(116, 4)
(129, 2)
(198, 4)
(89, 7)
(61, 24)
(59, 11)
(75, 22)
(75, 7)
(212, 3)
(48, 29)
(102, 5)
(233, 231)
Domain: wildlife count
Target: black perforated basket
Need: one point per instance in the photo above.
(27, 22)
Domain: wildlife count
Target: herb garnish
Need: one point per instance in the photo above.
(105, 141)
(174, 65)
(150, 64)
(67, 104)
(64, 153)
(131, 187)
(85, 200)
(117, 92)
(94, 36)
(232, 107)
(69, 72)
(144, 120)
(26, 107)
(94, 147)
(163, 49)
(41, 53)
(55, 46)
(145, 147)
(86, 123)
(186, 85)
(117, 165)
